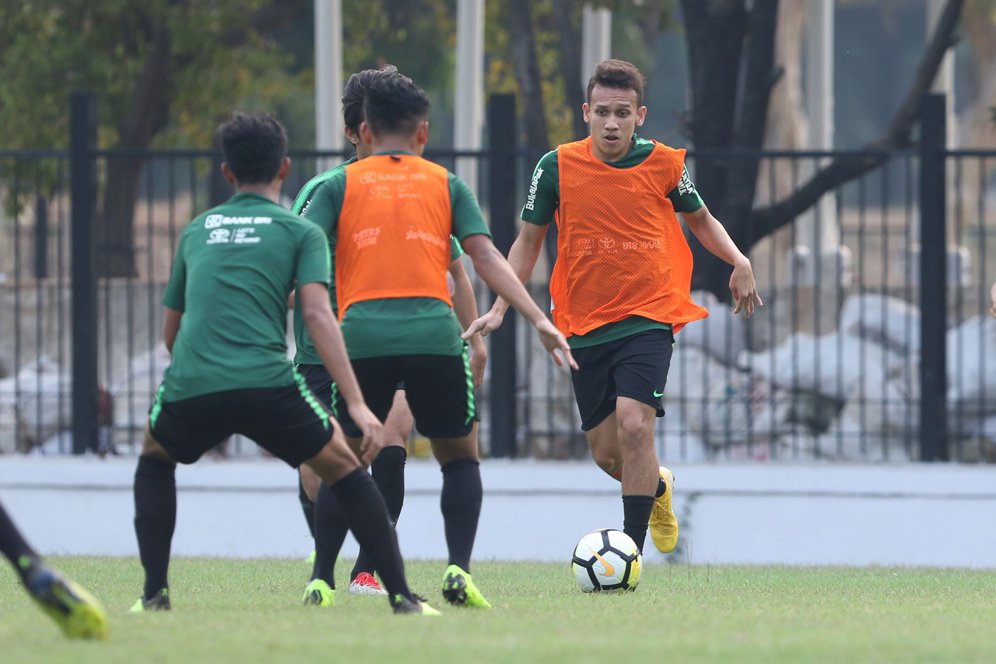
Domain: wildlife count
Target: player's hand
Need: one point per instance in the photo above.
(992, 299)
(373, 431)
(478, 360)
(744, 289)
(484, 325)
(554, 341)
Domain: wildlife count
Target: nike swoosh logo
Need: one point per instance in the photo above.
(609, 569)
(658, 395)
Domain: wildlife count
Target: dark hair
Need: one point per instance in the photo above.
(619, 75)
(356, 91)
(395, 105)
(254, 146)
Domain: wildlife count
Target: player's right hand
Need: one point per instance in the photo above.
(372, 429)
(484, 325)
(554, 341)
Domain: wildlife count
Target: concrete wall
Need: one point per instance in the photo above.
(924, 515)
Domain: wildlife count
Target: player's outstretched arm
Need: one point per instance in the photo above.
(497, 274)
(324, 330)
(522, 259)
(714, 237)
(465, 306)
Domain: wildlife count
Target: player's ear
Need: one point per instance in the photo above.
(227, 173)
(586, 112)
(284, 169)
(422, 135)
(366, 134)
(351, 136)
(641, 115)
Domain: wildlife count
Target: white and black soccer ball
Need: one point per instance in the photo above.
(606, 560)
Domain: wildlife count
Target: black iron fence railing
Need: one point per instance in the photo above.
(874, 343)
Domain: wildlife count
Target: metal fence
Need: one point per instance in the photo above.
(841, 363)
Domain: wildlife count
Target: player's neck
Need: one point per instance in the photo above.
(269, 190)
(394, 144)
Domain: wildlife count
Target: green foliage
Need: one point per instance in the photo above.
(217, 61)
(249, 611)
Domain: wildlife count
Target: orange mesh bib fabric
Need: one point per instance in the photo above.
(393, 231)
(621, 252)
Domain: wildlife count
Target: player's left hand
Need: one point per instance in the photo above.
(744, 289)
(373, 431)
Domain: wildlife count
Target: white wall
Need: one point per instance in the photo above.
(931, 515)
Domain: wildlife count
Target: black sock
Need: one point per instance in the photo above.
(14, 546)
(636, 515)
(389, 476)
(330, 532)
(155, 519)
(661, 488)
(460, 502)
(364, 508)
(307, 506)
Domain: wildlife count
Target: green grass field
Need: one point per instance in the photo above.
(249, 611)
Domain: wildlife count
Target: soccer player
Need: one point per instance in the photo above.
(395, 209)
(389, 466)
(226, 305)
(70, 606)
(620, 285)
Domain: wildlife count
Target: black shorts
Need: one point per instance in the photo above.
(439, 390)
(287, 421)
(635, 367)
(320, 382)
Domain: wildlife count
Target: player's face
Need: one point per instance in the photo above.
(612, 116)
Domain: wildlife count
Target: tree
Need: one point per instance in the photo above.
(164, 71)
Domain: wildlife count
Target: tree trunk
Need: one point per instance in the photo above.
(570, 65)
(147, 114)
(715, 32)
(522, 41)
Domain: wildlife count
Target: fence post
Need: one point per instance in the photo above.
(83, 183)
(41, 237)
(502, 135)
(933, 280)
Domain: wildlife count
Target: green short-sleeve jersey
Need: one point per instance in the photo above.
(398, 326)
(543, 199)
(235, 265)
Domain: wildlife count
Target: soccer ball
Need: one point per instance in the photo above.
(606, 560)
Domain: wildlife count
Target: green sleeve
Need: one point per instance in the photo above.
(326, 203)
(456, 251)
(314, 263)
(467, 216)
(173, 297)
(303, 200)
(685, 197)
(543, 196)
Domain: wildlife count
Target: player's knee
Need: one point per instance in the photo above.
(635, 431)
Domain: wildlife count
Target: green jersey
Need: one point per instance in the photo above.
(542, 202)
(398, 326)
(235, 265)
